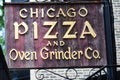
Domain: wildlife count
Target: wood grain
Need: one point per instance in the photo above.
(28, 43)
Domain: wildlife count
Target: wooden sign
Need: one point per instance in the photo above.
(55, 35)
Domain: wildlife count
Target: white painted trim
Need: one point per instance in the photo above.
(7, 0)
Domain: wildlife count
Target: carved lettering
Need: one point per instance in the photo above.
(67, 34)
(51, 24)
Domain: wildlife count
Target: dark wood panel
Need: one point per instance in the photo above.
(27, 43)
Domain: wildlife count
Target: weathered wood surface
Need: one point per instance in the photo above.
(27, 43)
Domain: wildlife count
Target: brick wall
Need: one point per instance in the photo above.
(116, 11)
(74, 74)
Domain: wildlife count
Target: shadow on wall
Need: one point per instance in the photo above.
(5, 74)
(4, 71)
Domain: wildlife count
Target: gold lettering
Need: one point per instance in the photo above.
(14, 55)
(73, 13)
(80, 53)
(67, 53)
(33, 55)
(86, 53)
(89, 53)
(62, 43)
(43, 54)
(55, 43)
(42, 12)
(49, 43)
(13, 51)
(51, 54)
(35, 30)
(59, 54)
(89, 32)
(17, 31)
(27, 55)
(52, 25)
(96, 54)
(48, 12)
(60, 12)
(21, 13)
(21, 55)
(33, 12)
(74, 54)
(83, 12)
(71, 23)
